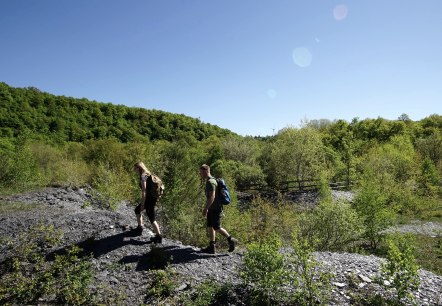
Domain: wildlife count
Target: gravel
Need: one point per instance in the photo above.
(124, 262)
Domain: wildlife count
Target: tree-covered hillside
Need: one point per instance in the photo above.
(60, 118)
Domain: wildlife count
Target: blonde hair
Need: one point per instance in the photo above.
(141, 165)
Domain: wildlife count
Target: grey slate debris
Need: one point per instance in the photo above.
(124, 261)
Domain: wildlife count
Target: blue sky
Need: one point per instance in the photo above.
(251, 66)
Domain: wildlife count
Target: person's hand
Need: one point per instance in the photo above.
(205, 212)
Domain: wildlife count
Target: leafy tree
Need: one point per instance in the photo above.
(394, 160)
(431, 147)
(371, 204)
(183, 196)
(339, 136)
(401, 269)
(296, 154)
(429, 178)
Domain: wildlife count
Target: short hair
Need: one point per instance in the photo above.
(204, 167)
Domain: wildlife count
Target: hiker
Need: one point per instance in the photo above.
(147, 203)
(212, 211)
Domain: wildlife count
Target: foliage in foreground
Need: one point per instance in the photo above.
(271, 274)
(401, 269)
(29, 276)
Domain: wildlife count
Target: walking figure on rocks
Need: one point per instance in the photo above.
(213, 211)
(148, 202)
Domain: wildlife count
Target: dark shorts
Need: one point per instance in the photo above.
(149, 206)
(214, 218)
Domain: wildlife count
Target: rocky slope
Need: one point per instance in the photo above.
(124, 262)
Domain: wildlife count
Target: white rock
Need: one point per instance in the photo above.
(365, 278)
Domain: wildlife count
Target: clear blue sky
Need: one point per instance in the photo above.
(251, 66)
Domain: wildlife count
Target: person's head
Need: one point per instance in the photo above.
(141, 168)
(204, 171)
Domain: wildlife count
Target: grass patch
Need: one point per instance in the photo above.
(8, 207)
(429, 253)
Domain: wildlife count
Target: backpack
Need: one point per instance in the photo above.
(223, 191)
(155, 186)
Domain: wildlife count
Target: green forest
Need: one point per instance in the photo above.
(394, 168)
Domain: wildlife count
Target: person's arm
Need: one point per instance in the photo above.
(143, 194)
(210, 199)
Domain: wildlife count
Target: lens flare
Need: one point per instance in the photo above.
(340, 12)
(302, 57)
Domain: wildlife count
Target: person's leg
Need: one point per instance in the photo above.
(223, 232)
(211, 248)
(217, 226)
(211, 234)
(150, 211)
(139, 229)
(137, 211)
(156, 228)
(140, 220)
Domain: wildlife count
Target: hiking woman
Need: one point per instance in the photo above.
(147, 203)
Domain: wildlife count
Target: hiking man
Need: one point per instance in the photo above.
(148, 202)
(212, 211)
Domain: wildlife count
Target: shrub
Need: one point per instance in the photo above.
(111, 185)
(73, 276)
(401, 269)
(370, 203)
(334, 226)
(264, 269)
(313, 284)
(208, 292)
(267, 219)
(29, 276)
(19, 168)
(162, 284)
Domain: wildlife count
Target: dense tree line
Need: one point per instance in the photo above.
(60, 118)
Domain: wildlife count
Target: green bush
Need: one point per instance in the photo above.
(73, 277)
(401, 269)
(30, 277)
(207, 293)
(265, 270)
(111, 185)
(19, 168)
(312, 285)
(371, 205)
(58, 167)
(267, 219)
(333, 226)
(163, 283)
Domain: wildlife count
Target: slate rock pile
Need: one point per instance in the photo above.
(125, 263)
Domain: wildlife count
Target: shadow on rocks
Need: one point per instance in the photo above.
(99, 247)
(161, 256)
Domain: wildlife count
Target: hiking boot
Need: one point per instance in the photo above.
(232, 243)
(138, 231)
(210, 249)
(156, 239)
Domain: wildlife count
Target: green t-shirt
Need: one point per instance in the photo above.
(211, 185)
